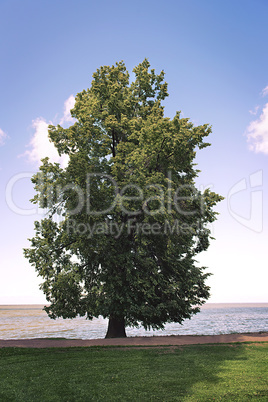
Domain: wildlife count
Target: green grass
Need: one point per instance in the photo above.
(237, 372)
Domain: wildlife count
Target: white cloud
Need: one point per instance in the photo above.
(264, 92)
(257, 133)
(255, 110)
(3, 136)
(40, 145)
(68, 105)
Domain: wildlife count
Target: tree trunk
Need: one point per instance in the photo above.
(116, 328)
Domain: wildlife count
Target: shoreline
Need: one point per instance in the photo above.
(171, 340)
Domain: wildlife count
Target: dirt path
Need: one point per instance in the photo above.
(136, 341)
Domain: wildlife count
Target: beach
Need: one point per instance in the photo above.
(136, 341)
(31, 321)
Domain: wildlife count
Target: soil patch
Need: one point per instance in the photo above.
(136, 341)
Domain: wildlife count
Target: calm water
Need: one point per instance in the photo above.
(30, 321)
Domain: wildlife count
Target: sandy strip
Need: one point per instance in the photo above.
(136, 341)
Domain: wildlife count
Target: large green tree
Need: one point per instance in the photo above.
(131, 218)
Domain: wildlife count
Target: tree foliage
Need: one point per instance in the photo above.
(131, 219)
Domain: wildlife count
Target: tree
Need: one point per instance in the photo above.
(131, 219)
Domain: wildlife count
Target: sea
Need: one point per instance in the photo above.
(31, 321)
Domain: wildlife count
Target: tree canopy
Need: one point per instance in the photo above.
(131, 219)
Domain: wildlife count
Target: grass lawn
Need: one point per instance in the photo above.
(235, 372)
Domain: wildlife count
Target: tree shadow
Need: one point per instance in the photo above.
(179, 373)
(165, 373)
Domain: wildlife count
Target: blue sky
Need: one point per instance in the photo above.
(215, 58)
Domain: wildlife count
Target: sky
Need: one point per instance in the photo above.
(215, 59)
